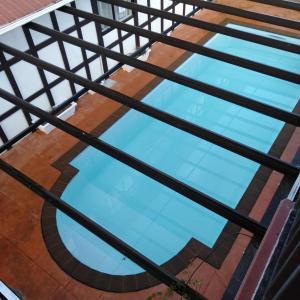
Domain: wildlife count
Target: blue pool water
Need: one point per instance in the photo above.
(150, 217)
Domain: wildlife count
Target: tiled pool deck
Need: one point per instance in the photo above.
(25, 262)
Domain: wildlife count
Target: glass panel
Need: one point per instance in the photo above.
(121, 13)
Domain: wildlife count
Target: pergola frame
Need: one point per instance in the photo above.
(140, 166)
(185, 45)
(85, 64)
(250, 37)
(244, 13)
(198, 197)
(280, 3)
(229, 144)
(181, 124)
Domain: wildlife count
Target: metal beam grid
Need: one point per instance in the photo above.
(282, 45)
(228, 144)
(280, 3)
(161, 177)
(84, 63)
(188, 46)
(172, 183)
(244, 13)
(9, 143)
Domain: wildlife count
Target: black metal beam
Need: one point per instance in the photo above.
(62, 49)
(120, 44)
(280, 3)
(210, 136)
(3, 136)
(136, 23)
(12, 81)
(95, 9)
(148, 15)
(244, 13)
(155, 270)
(188, 46)
(173, 76)
(42, 74)
(83, 51)
(174, 9)
(157, 175)
(161, 20)
(247, 36)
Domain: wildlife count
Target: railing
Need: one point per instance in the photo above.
(281, 279)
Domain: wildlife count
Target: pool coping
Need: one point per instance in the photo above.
(193, 249)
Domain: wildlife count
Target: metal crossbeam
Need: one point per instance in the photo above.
(155, 270)
(244, 13)
(280, 3)
(188, 46)
(247, 36)
(159, 176)
(208, 135)
(254, 105)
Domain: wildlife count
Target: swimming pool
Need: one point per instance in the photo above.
(155, 220)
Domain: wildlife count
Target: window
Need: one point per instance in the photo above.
(121, 13)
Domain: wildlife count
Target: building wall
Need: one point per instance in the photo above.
(47, 90)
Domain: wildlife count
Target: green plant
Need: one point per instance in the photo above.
(195, 283)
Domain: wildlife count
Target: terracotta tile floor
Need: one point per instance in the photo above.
(24, 261)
